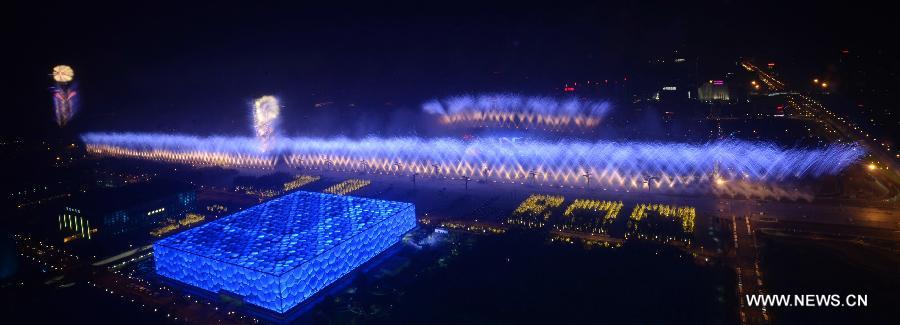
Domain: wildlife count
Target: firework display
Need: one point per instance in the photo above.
(63, 94)
(603, 164)
(265, 119)
(514, 111)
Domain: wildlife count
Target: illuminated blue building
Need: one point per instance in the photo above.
(279, 253)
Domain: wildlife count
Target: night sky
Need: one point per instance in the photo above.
(191, 68)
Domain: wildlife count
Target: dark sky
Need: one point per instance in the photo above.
(195, 67)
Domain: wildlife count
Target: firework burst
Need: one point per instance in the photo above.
(265, 120)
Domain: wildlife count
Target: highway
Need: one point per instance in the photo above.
(881, 160)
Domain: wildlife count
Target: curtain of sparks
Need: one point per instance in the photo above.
(666, 166)
(514, 111)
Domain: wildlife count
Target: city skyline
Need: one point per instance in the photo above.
(351, 163)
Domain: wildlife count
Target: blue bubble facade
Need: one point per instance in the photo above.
(279, 253)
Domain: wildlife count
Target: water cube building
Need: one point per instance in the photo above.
(277, 254)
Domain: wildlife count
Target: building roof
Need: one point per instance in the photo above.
(281, 234)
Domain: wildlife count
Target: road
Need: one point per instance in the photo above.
(807, 106)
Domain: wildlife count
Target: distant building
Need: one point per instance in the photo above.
(670, 78)
(713, 91)
(119, 211)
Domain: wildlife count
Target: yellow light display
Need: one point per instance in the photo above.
(535, 211)
(63, 73)
(687, 215)
(172, 225)
(299, 181)
(345, 187)
(265, 117)
(594, 210)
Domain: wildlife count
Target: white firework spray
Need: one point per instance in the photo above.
(265, 120)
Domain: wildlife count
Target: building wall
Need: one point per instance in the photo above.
(304, 281)
(256, 288)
